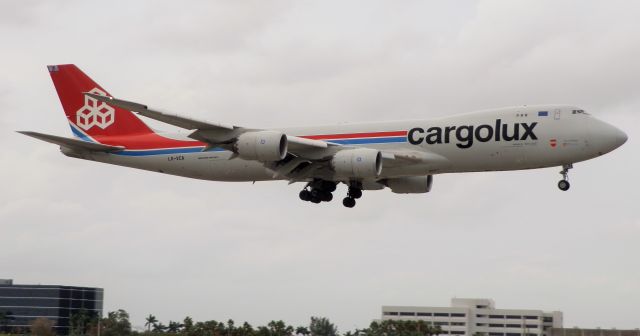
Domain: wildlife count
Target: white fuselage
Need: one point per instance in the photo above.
(550, 135)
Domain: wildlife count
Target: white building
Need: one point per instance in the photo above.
(479, 317)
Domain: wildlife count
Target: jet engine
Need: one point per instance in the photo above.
(359, 163)
(410, 184)
(263, 146)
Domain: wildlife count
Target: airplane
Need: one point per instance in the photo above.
(400, 155)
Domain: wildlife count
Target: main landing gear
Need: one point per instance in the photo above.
(564, 183)
(318, 191)
(353, 194)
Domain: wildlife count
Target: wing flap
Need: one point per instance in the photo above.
(72, 143)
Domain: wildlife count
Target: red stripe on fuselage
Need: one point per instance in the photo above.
(147, 141)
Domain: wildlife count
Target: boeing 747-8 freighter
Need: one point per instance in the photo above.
(400, 155)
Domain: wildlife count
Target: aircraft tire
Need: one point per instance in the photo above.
(349, 202)
(563, 185)
(355, 193)
(305, 195)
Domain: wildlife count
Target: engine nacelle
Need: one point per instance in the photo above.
(359, 163)
(263, 146)
(410, 185)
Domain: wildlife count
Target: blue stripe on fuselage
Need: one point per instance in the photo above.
(367, 140)
(165, 151)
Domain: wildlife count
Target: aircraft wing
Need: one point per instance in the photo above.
(216, 134)
(72, 143)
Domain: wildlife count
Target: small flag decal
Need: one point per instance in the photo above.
(543, 113)
(553, 143)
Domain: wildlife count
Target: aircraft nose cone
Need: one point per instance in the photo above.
(621, 137)
(606, 137)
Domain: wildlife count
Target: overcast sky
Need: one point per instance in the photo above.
(173, 247)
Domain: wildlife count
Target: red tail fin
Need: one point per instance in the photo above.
(86, 115)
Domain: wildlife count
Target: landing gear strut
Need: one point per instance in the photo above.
(353, 194)
(318, 191)
(564, 183)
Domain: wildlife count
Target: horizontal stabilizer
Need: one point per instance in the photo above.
(72, 143)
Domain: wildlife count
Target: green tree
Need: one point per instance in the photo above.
(150, 322)
(275, 328)
(80, 322)
(5, 317)
(400, 328)
(245, 330)
(304, 331)
(321, 326)
(187, 325)
(116, 324)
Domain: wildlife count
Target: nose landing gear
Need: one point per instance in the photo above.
(564, 183)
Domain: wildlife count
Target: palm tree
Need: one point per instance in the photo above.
(174, 327)
(159, 327)
(151, 322)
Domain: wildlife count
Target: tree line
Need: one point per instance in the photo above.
(117, 323)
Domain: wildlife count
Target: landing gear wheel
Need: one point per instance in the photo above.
(355, 192)
(305, 195)
(349, 202)
(327, 197)
(564, 185)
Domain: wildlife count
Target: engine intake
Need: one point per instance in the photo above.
(263, 146)
(410, 185)
(359, 163)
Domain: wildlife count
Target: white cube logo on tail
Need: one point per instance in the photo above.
(95, 113)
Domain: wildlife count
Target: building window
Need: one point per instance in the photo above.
(391, 313)
(441, 323)
(531, 317)
(496, 316)
(493, 325)
(514, 317)
(514, 334)
(513, 326)
(407, 314)
(532, 326)
(481, 324)
(496, 334)
(548, 319)
(441, 314)
(457, 315)
(481, 316)
(425, 314)
(457, 332)
(457, 323)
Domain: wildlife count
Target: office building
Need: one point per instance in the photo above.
(479, 317)
(21, 304)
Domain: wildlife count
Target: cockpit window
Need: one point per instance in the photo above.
(579, 112)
